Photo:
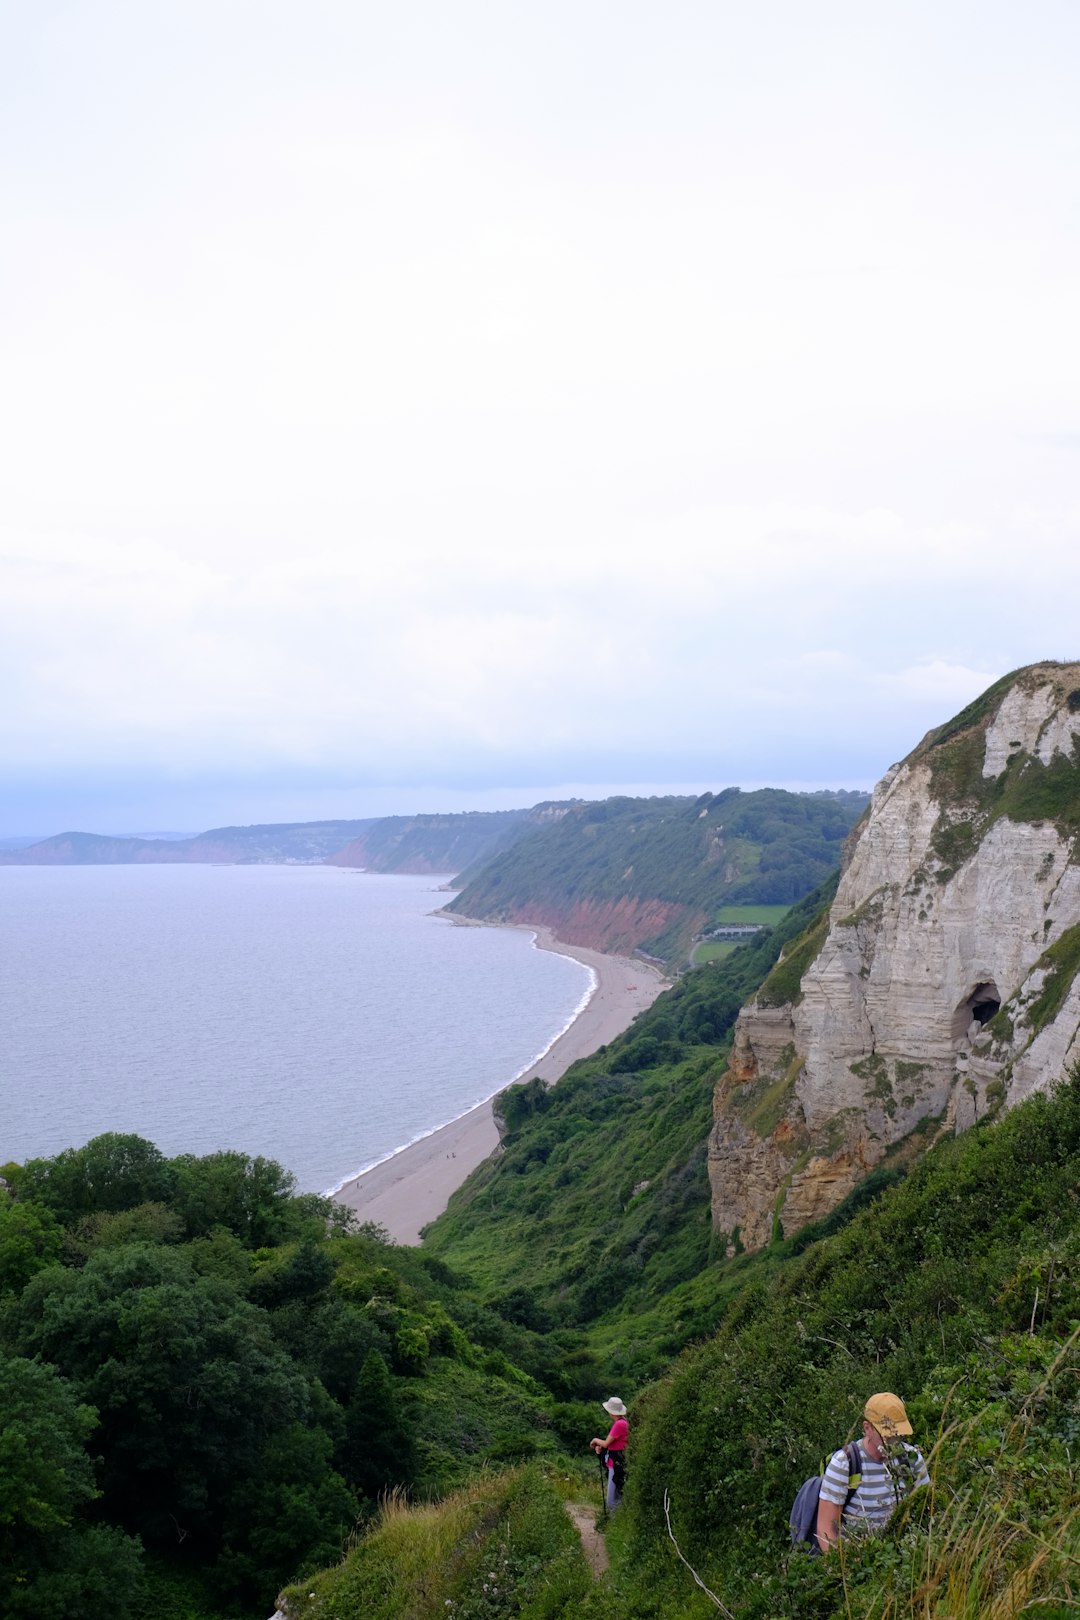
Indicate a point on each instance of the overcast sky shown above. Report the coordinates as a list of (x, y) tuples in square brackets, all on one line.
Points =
[(437, 405)]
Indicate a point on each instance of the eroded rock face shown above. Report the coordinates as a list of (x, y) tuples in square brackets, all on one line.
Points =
[(615, 926), (927, 1004)]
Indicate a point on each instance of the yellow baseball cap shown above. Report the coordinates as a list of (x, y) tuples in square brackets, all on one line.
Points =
[(888, 1415)]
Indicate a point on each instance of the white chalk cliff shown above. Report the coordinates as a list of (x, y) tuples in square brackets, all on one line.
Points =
[(943, 983)]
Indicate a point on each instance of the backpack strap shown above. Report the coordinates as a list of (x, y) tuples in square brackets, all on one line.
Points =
[(854, 1461)]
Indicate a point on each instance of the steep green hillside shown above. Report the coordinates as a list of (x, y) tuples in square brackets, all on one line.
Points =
[(596, 1211), (647, 874), (959, 1287), (433, 843)]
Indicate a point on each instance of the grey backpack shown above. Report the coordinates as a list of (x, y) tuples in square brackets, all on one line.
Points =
[(802, 1520)]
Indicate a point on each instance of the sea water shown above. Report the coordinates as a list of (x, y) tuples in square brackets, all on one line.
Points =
[(320, 1017)]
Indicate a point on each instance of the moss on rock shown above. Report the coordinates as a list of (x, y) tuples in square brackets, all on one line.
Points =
[(784, 983)]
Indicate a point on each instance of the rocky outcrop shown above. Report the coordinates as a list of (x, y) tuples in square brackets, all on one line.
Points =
[(943, 984)]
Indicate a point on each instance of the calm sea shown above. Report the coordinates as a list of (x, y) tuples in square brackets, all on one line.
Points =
[(320, 1017)]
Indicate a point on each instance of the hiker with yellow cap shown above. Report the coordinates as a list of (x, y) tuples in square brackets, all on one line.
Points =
[(889, 1470)]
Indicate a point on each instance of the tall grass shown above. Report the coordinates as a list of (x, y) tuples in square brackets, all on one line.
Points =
[(500, 1546)]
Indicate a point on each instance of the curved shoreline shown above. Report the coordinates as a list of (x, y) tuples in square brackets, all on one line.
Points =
[(411, 1187), (526, 1071)]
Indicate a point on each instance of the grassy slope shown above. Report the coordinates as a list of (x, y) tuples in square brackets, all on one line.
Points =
[(959, 1287), (768, 848), (597, 1210), (501, 1545)]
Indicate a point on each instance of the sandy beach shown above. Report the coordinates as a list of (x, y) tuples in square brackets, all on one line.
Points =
[(407, 1191)]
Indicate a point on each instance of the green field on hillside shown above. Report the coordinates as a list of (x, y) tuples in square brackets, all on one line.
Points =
[(739, 916), (715, 950)]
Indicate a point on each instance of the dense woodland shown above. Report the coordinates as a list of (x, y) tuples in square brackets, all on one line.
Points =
[(208, 1381), (213, 1387)]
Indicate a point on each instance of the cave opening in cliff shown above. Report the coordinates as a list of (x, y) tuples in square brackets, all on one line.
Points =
[(978, 1008)]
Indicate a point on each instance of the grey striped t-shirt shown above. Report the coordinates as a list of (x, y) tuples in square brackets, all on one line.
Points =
[(884, 1484)]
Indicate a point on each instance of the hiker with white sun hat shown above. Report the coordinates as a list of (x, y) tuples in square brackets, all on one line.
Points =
[(612, 1452)]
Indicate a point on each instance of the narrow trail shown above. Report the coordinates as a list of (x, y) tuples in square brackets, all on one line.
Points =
[(584, 1521)]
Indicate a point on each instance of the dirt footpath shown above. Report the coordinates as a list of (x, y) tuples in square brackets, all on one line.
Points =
[(584, 1522)]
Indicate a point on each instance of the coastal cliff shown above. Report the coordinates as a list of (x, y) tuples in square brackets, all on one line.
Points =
[(618, 927), (940, 986), (650, 875)]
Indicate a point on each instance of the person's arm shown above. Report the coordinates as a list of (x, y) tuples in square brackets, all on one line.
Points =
[(828, 1524), (835, 1492), (612, 1435)]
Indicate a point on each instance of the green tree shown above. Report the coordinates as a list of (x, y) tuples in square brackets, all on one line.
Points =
[(331, 1338), (251, 1197), (380, 1448), (30, 1238), (185, 1374), (520, 1102), (55, 1566), (293, 1517), (112, 1172), (301, 1276), (45, 1472)]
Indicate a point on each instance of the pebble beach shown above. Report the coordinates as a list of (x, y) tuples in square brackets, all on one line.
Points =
[(408, 1190)]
